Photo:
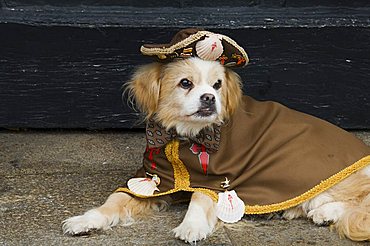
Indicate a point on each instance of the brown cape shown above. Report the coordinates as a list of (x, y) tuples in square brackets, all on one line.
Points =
[(275, 158)]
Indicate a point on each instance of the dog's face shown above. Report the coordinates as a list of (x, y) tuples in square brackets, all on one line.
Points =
[(188, 94)]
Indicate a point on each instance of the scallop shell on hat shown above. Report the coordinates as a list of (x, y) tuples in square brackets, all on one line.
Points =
[(230, 208), (210, 48), (142, 186)]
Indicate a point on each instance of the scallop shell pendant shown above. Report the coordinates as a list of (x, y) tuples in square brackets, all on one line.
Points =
[(144, 186), (210, 48), (230, 208)]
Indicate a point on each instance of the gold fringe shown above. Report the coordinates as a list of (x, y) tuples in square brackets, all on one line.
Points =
[(180, 173), (181, 176), (182, 183), (323, 186)]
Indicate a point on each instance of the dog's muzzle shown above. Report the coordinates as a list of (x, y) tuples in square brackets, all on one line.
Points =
[(207, 105)]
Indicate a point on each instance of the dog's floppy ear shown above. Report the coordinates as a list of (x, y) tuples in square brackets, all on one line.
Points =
[(232, 92), (144, 87)]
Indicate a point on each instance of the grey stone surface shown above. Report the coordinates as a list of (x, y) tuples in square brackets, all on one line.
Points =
[(47, 176)]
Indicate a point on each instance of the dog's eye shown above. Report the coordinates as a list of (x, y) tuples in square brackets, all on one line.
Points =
[(217, 85), (186, 84)]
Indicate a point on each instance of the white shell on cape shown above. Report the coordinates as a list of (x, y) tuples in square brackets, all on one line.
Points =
[(210, 48), (230, 208), (142, 186)]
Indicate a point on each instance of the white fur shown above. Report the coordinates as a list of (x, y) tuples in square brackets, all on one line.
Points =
[(366, 171), (316, 202), (329, 212), (303, 209), (199, 221), (102, 218), (92, 219), (190, 129)]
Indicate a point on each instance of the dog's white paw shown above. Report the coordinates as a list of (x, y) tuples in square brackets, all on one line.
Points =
[(192, 231), (327, 214), (91, 220)]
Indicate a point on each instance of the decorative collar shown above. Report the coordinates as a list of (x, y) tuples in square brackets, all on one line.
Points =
[(157, 136)]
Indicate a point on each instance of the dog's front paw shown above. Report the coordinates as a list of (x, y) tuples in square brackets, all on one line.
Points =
[(326, 214), (192, 231), (82, 224)]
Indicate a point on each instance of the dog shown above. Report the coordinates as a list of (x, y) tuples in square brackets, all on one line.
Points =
[(193, 94)]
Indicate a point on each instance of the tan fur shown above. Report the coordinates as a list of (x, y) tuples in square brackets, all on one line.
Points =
[(232, 93), (352, 190), (128, 209), (355, 192), (144, 87), (355, 223), (294, 213)]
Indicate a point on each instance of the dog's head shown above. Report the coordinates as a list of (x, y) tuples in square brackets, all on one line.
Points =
[(188, 94)]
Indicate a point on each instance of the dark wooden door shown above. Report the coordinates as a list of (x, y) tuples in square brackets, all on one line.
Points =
[(62, 63)]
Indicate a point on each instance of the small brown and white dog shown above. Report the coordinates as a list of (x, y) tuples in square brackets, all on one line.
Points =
[(175, 96)]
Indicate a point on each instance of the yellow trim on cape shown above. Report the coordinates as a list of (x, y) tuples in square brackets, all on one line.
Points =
[(182, 183), (180, 173)]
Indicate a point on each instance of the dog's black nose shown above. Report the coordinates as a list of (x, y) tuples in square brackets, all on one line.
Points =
[(208, 99)]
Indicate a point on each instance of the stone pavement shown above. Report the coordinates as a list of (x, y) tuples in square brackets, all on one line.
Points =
[(47, 176)]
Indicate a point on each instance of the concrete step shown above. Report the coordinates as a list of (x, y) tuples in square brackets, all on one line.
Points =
[(48, 176)]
